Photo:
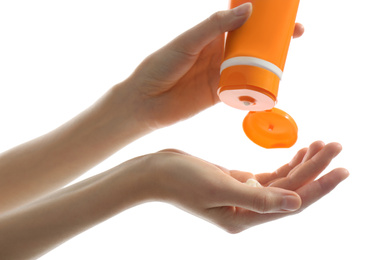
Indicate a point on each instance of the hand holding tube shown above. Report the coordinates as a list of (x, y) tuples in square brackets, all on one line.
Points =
[(181, 79)]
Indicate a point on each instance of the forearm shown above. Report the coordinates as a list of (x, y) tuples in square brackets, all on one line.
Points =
[(47, 163), (30, 231)]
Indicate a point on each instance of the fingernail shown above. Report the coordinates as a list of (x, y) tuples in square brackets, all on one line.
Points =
[(242, 9), (291, 203)]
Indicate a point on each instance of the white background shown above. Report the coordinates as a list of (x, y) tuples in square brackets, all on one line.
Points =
[(58, 57)]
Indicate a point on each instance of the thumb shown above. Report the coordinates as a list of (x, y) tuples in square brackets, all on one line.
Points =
[(194, 40), (266, 200)]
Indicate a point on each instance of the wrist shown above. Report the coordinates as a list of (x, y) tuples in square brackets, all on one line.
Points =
[(136, 180), (117, 111), (129, 106), (155, 180), (163, 172)]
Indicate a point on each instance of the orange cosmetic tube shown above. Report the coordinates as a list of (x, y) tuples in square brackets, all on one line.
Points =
[(255, 55)]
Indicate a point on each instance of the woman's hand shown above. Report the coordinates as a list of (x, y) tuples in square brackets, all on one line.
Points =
[(222, 197), (181, 79), (201, 188)]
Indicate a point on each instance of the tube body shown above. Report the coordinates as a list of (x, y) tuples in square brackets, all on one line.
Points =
[(255, 55)]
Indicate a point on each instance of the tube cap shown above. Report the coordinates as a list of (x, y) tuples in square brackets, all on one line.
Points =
[(248, 88), (271, 128)]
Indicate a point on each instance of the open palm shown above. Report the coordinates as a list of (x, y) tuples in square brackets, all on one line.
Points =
[(221, 196)]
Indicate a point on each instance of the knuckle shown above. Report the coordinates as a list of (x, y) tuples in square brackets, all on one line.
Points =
[(314, 162), (216, 20), (171, 150), (262, 202)]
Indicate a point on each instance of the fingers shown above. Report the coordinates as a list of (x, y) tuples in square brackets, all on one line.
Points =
[(294, 162), (310, 169), (314, 148), (262, 200), (194, 40), (298, 30), (266, 178), (309, 194), (314, 191)]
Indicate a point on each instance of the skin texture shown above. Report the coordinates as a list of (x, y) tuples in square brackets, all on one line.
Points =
[(36, 215)]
